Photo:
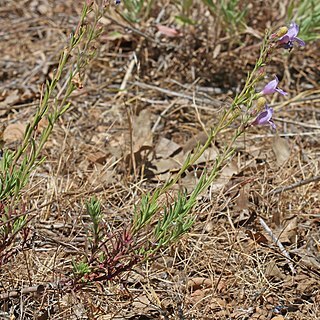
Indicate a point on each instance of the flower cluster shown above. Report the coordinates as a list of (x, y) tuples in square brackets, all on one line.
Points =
[(287, 40), (285, 37)]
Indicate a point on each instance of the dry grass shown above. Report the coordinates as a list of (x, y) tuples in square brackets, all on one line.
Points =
[(227, 267)]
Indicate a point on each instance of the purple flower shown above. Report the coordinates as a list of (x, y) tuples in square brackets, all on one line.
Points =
[(286, 41), (264, 118), (272, 87)]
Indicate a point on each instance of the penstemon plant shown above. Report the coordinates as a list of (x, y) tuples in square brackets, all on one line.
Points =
[(155, 224), (16, 166), (251, 108)]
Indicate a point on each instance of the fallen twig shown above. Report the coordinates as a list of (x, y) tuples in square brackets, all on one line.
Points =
[(295, 185), (278, 243), (212, 101), (128, 73), (15, 293)]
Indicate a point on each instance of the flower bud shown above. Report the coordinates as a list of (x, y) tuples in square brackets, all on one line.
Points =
[(261, 102), (261, 72), (282, 31)]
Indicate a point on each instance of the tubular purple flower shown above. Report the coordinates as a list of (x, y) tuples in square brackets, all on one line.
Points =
[(272, 87), (265, 118), (287, 40)]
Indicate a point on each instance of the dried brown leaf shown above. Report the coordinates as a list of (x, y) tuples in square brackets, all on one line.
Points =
[(307, 259), (289, 230), (97, 157), (242, 200), (225, 176), (165, 148), (198, 295), (258, 237), (169, 32), (10, 100), (164, 165), (272, 270), (281, 149), (199, 282), (209, 154), (14, 132), (278, 318), (142, 134)]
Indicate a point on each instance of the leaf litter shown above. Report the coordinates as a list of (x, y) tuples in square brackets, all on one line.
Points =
[(227, 267)]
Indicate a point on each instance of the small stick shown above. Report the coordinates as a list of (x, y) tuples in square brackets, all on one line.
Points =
[(295, 185), (15, 293), (299, 123), (215, 103), (278, 243), (132, 163), (154, 128), (132, 63)]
